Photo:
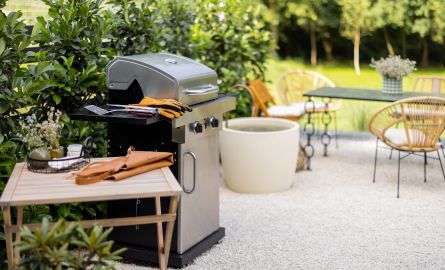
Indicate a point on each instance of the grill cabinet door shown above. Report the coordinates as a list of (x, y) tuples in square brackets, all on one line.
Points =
[(199, 209)]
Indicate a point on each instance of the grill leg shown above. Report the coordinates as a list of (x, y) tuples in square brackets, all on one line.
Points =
[(390, 154), (398, 177), (424, 167), (440, 160), (375, 159)]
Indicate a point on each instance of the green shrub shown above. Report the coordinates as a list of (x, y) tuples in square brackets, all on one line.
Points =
[(233, 39), (72, 39), (152, 26), (65, 246)]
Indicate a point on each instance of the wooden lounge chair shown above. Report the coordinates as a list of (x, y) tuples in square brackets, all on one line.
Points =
[(412, 126), (263, 103)]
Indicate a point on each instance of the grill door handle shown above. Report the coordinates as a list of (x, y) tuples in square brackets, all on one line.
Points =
[(208, 89), (193, 155)]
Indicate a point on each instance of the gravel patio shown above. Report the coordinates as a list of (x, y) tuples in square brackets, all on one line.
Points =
[(334, 217)]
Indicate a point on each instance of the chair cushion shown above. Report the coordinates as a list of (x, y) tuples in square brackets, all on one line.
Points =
[(422, 114), (283, 111), (397, 136)]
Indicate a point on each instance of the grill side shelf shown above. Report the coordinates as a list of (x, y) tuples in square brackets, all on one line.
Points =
[(115, 117)]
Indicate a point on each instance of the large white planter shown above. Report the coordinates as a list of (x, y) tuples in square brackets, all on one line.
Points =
[(259, 161)]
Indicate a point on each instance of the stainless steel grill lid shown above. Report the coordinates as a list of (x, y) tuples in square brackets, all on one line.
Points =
[(164, 75)]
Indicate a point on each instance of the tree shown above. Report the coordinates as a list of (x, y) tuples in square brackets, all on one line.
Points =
[(315, 17), (389, 14), (426, 18), (355, 21)]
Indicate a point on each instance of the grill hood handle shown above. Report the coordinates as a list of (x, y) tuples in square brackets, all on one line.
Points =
[(203, 90)]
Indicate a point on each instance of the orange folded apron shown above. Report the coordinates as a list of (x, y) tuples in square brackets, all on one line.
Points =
[(134, 163)]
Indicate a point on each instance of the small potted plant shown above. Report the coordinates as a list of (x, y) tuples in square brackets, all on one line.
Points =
[(393, 68), (30, 134)]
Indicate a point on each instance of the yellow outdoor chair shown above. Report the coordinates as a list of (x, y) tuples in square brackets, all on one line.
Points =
[(411, 125), (263, 103), (432, 84), (293, 84)]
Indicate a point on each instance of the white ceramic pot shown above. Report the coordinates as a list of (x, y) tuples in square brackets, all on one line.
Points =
[(259, 161)]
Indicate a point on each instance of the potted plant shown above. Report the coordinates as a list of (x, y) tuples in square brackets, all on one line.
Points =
[(393, 68)]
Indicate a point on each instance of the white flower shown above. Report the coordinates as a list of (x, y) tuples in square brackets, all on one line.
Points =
[(394, 66)]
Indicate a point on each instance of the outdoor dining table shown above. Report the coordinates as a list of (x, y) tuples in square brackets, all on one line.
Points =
[(328, 93), (26, 188)]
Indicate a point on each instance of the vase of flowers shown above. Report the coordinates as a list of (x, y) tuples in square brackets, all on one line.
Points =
[(51, 130), (392, 69), (38, 136)]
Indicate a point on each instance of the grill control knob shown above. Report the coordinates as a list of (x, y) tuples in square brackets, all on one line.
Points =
[(213, 122), (197, 127)]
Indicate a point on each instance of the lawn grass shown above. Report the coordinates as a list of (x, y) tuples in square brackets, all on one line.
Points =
[(354, 115)]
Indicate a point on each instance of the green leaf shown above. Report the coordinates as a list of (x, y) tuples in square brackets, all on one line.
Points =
[(2, 45), (57, 99)]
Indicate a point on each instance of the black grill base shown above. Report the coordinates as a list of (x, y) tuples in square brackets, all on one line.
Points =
[(175, 260)]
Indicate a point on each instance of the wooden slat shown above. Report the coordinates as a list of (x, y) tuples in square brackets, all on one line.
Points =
[(85, 190), (171, 180), (8, 236), (112, 222), (18, 201), (12, 183), (17, 235)]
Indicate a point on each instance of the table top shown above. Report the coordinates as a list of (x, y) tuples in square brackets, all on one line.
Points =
[(29, 188), (363, 94)]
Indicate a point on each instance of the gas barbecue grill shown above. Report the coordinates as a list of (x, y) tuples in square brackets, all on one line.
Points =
[(193, 138)]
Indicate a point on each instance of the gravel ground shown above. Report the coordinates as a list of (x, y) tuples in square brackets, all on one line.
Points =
[(334, 217)]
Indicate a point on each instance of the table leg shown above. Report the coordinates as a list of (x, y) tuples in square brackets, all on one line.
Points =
[(309, 130), (8, 236), (160, 236), (326, 137), (170, 225), (18, 236)]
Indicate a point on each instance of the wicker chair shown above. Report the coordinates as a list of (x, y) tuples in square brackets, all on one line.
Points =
[(431, 84), (264, 103), (293, 84), (418, 133)]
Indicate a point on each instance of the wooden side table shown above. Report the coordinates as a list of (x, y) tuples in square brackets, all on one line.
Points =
[(26, 188)]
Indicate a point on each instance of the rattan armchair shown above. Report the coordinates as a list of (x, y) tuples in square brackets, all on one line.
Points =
[(293, 84), (431, 84), (411, 126)]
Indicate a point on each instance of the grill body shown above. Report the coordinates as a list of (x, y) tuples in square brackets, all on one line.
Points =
[(193, 139)]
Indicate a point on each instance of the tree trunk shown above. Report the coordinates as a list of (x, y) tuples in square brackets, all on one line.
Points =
[(357, 51), (328, 49), (388, 41), (313, 46), (403, 44), (425, 51), (274, 27)]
